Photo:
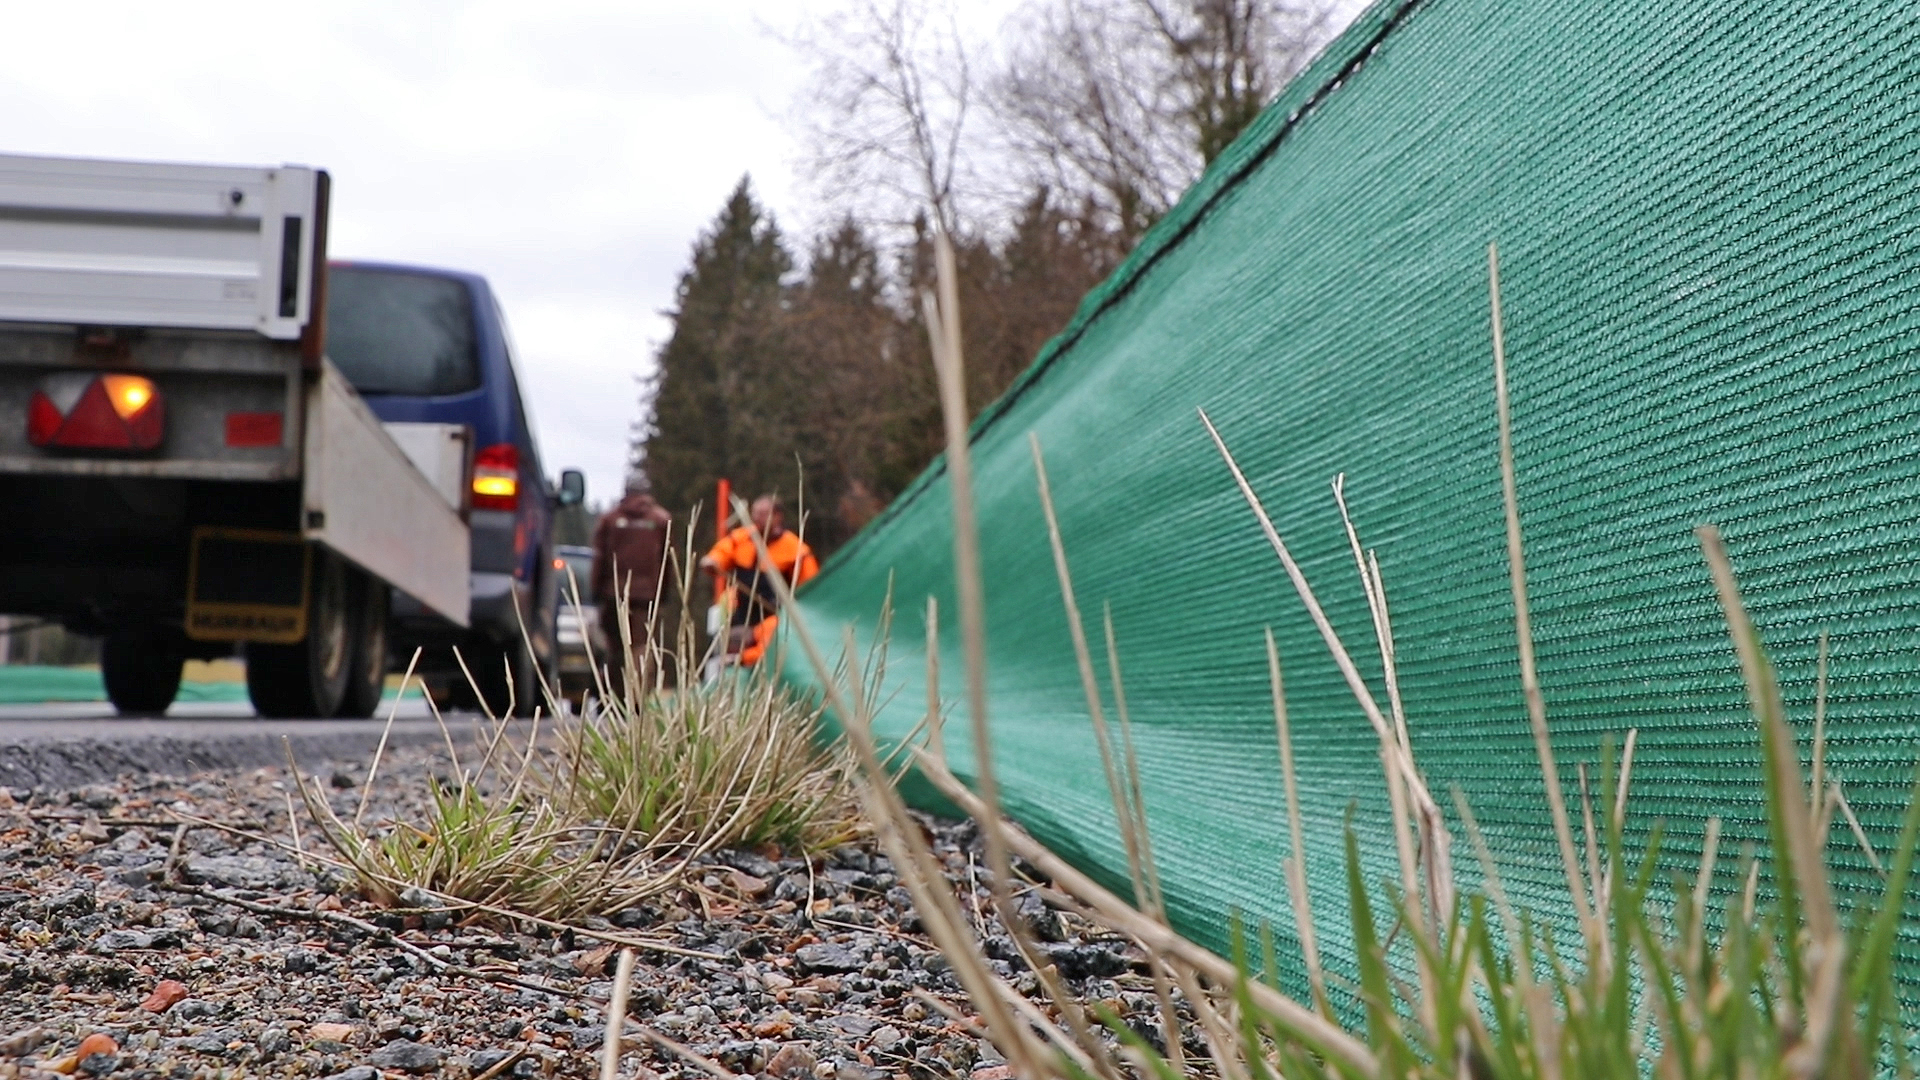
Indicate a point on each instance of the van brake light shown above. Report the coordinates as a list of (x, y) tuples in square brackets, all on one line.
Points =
[(496, 477)]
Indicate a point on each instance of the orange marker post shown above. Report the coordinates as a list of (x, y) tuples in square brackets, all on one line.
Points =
[(721, 514)]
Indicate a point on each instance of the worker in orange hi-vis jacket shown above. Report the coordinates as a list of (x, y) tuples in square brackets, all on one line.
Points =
[(737, 564)]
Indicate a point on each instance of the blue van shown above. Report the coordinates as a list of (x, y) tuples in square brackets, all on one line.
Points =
[(431, 346)]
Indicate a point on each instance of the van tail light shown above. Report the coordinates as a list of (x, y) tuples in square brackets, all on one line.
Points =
[(496, 477), (77, 410)]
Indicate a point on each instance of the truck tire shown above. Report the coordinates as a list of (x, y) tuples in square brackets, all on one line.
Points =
[(309, 677), (367, 668), (141, 667)]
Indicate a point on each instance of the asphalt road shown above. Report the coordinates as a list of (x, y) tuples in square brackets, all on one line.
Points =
[(67, 745)]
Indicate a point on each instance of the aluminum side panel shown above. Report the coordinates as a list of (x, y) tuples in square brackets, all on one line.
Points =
[(147, 244), (365, 499)]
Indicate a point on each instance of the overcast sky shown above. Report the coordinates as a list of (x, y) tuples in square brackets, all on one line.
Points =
[(568, 150)]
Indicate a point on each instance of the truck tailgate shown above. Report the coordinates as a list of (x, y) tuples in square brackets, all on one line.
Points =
[(364, 499)]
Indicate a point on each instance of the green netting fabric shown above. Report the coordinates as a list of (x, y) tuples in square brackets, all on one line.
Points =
[(1707, 213)]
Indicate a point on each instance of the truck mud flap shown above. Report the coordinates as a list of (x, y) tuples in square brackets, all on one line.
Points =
[(248, 585)]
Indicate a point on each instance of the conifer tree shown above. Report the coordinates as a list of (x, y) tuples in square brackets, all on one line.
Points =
[(716, 406)]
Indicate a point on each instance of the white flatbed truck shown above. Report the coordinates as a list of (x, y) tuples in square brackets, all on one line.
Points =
[(182, 472)]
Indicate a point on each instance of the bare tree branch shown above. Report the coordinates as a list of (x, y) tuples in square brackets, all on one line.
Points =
[(886, 111), (1126, 101)]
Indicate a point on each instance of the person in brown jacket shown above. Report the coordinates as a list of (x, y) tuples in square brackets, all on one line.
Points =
[(630, 545)]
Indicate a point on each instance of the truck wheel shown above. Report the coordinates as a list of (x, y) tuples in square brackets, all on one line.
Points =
[(367, 669), (309, 677), (141, 667)]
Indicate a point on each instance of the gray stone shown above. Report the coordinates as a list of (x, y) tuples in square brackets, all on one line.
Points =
[(67, 904), (886, 1038), (748, 863), (1041, 918), (244, 872), (273, 1042), (852, 914), (1086, 961), (300, 961), (358, 1072), (136, 876), (825, 957), (193, 1009), (202, 1044), (852, 879), (118, 940), (737, 1054), (487, 1059), (407, 1056), (635, 918), (853, 1024)]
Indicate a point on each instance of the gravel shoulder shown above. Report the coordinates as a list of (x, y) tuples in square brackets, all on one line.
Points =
[(52, 748), (209, 949)]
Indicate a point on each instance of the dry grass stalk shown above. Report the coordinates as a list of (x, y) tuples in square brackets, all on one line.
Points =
[(614, 1041), (943, 328), (1523, 619), (1296, 867), (913, 859), (1797, 844)]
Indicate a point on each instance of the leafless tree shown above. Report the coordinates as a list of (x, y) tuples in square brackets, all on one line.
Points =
[(886, 112), (1126, 101)]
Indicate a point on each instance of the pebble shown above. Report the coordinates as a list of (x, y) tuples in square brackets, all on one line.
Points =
[(793, 1061), (828, 958), (166, 995), (407, 1056), (122, 940)]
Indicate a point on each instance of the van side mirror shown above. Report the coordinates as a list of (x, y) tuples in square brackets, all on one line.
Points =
[(573, 487)]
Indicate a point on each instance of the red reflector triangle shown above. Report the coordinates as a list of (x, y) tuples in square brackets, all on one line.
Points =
[(43, 419), (145, 427), (93, 423)]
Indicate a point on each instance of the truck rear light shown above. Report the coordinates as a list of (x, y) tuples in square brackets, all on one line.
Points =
[(496, 477), (81, 411)]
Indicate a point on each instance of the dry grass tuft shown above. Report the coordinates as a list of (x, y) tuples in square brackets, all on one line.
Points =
[(735, 763), (567, 816)]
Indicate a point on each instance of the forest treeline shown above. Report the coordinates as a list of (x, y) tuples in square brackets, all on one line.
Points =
[(801, 365)]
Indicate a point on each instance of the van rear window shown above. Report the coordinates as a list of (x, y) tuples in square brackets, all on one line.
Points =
[(391, 332)]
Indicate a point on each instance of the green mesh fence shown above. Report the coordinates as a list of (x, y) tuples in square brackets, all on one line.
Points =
[(1707, 215)]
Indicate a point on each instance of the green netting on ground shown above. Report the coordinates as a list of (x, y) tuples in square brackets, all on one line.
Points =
[(33, 684), (1709, 218)]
